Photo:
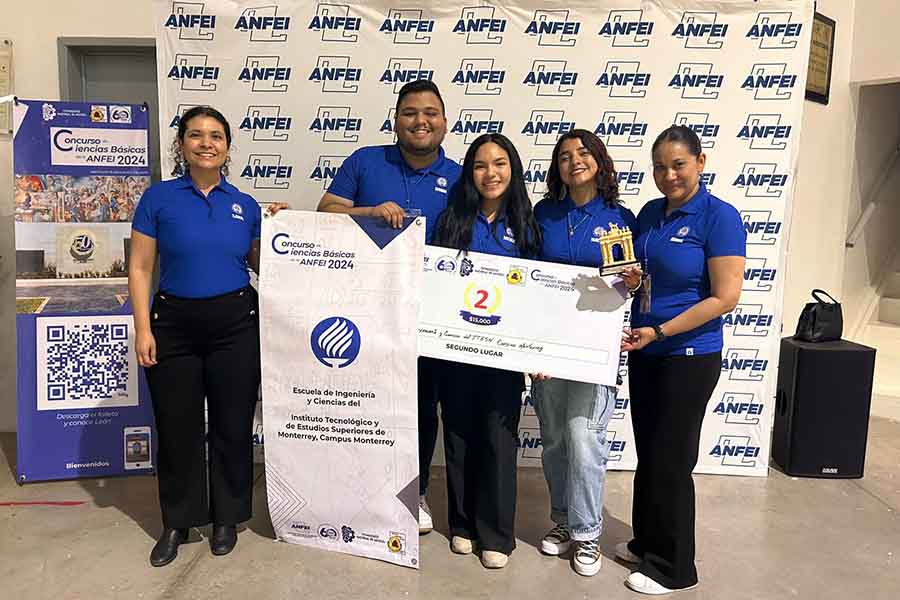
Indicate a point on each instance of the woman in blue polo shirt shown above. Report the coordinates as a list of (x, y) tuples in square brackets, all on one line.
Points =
[(200, 339), (582, 200), (489, 212), (692, 247)]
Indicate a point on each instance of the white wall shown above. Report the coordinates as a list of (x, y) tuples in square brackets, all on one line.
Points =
[(875, 56), (34, 26), (823, 181), (877, 137)]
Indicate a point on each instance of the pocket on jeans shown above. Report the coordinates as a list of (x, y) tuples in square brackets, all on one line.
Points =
[(604, 403)]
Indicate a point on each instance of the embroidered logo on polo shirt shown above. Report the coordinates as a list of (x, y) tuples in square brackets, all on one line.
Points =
[(441, 185), (598, 231), (237, 211), (680, 235), (508, 236)]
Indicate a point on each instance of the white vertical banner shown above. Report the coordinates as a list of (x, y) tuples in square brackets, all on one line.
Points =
[(305, 83), (339, 299)]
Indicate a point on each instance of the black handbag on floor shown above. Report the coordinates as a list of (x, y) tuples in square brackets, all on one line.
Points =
[(820, 321)]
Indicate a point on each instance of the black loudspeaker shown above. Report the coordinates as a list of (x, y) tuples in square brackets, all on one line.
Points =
[(822, 408)]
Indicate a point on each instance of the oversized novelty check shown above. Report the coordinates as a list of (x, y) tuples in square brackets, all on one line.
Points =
[(521, 315)]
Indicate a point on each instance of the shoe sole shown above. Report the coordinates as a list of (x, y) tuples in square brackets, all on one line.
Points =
[(424, 530), (555, 549), (220, 553), (649, 593), (162, 564), (586, 570)]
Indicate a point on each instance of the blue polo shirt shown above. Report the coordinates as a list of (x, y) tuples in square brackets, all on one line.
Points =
[(674, 251), (376, 174), (493, 238), (202, 242), (571, 233)]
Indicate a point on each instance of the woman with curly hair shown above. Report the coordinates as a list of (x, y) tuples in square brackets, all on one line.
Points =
[(582, 201)]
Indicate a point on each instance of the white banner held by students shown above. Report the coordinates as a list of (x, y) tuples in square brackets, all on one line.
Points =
[(338, 302)]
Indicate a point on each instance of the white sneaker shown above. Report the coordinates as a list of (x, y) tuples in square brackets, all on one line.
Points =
[(623, 553), (491, 559), (587, 558), (556, 541), (644, 585), (425, 522), (461, 545)]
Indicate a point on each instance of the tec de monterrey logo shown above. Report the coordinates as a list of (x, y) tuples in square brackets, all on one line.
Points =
[(335, 342)]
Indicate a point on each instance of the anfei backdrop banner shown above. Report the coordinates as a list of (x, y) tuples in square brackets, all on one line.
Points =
[(339, 299), (83, 407), (305, 83)]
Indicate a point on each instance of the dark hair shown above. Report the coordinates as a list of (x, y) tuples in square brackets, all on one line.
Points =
[(418, 86), (607, 180), (454, 226), (680, 134), (181, 166)]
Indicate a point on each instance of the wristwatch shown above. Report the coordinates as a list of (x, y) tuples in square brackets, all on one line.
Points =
[(660, 336)]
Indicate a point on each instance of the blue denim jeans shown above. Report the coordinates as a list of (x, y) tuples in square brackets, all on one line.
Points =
[(573, 417)]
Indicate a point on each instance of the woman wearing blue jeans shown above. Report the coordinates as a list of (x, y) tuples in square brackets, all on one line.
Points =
[(582, 199)]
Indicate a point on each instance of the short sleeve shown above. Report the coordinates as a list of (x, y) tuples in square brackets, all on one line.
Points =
[(346, 181), (144, 220), (726, 235)]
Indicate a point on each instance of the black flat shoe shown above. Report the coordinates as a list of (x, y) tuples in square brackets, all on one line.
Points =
[(223, 539), (166, 548)]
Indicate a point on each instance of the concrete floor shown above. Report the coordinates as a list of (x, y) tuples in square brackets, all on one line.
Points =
[(760, 539)]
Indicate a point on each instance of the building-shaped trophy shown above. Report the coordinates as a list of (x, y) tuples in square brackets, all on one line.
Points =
[(609, 240)]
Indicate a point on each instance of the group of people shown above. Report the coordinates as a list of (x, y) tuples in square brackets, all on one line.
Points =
[(200, 337)]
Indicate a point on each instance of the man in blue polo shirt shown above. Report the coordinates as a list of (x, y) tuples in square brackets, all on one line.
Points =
[(411, 177)]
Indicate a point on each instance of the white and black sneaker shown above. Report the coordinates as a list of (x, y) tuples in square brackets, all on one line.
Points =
[(556, 541), (425, 522), (587, 558)]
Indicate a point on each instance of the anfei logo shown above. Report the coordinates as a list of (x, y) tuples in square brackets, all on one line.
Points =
[(616, 447), (770, 81), (335, 23), (536, 175), (700, 29), (545, 126), (551, 78), (735, 451), (630, 179), (326, 168), (267, 172), (699, 123), (697, 81), (407, 26), (762, 229), (620, 409), (335, 342), (473, 122), (627, 29), (194, 73), (266, 123), (553, 28), (758, 277), (336, 125), (336, 74), (775, 30), (265, 74), (739, 408), (761, 180), (264, 24), (387, 127), (765, 132), (624, 79), (749, 320), (479, 26), (621, 129), (480, 77), (708, 178), (182, 108), (400, 71), (744, 364), (529, 442), (191, 23)]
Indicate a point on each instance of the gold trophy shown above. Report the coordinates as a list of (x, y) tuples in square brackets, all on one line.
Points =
[(621, 237)]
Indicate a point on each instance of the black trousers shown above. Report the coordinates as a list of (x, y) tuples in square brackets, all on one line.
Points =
[(206, 348), (430, 385), (481, 412), (669, 395)]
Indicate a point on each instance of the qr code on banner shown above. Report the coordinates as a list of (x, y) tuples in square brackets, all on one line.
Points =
[(85, 362)]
